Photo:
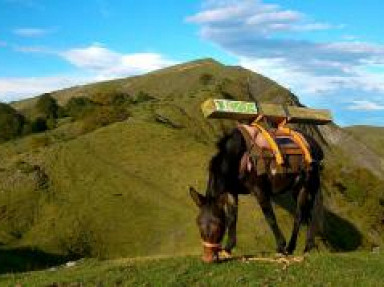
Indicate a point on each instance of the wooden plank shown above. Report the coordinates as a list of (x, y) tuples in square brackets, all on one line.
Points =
[(241, 110), (295, 114), (272, 110), (305, 115)]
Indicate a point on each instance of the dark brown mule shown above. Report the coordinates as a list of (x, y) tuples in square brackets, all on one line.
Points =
[(218, 207)]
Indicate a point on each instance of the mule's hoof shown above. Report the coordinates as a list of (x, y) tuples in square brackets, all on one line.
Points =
[(282, 252), (280, 255)]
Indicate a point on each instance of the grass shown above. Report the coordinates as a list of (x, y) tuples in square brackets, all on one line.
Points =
[(373, 137), (322, 269)]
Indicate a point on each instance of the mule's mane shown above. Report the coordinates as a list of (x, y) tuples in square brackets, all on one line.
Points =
[(224, 165)]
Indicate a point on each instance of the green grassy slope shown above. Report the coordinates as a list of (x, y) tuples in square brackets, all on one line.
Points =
[(353, 269), (122, 190), (373, 137)]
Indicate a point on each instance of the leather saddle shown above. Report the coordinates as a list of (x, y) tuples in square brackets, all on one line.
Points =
[(275, 150)]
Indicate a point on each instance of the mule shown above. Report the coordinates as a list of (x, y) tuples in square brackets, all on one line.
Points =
[(218, 208)]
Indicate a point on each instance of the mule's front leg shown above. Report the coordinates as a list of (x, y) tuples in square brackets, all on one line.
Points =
[(266, 206), (231, 216)]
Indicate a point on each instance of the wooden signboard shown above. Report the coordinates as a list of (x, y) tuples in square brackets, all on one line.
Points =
[(241, 110), (226, 109)]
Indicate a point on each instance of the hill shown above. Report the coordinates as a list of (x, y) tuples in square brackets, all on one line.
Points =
[(122, 189)]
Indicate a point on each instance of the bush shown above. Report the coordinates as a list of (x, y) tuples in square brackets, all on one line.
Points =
[(142, 97), (47, 107), (79, 107), (38, 125), (103, 116), (11, 123), (120, 99), (111, 97), (206, 79)]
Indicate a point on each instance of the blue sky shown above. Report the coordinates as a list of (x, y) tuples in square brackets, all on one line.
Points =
[(330, 53)]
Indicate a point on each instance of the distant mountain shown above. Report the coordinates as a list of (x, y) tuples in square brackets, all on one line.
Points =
[(121, 189)]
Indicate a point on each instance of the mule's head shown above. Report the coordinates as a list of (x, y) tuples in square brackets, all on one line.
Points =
[(211, 223)]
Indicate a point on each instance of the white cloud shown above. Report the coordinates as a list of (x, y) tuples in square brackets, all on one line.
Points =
[(17, 88), (304, 82), (252, 16), (92, 63), (365, 106), (109, 63), (94, 57), (30, 32), (273, 41)]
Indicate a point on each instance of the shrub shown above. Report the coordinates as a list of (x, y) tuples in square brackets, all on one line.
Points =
[(11, 122), (103, 116), (38, 125), (206, 79), (47, 107), (119, 99), (79, 107), (142, 97)]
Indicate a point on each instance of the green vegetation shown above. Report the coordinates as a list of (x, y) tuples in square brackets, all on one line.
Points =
[(11, 123), (353, 269), (206, 79), (47, 107), (78, 107), (373, 137), (111, 179)]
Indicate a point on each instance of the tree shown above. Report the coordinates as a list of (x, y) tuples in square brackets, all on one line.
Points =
[(47, 107), (11, 122), (78, 107)]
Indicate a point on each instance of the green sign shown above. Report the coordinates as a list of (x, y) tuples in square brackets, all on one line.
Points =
[(236, 106)]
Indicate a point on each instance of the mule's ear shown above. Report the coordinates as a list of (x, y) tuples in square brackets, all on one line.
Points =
[(198, 198)]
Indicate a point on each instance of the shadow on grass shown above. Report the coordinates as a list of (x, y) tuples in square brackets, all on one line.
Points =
[(338, 233), (27, 259)]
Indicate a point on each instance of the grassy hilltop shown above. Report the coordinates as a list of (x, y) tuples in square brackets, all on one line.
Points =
[(121, 189)]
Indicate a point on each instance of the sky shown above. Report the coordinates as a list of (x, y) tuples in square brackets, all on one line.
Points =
[(329, 53)]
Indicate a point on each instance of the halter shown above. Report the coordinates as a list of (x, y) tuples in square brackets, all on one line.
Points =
[(211, 245)]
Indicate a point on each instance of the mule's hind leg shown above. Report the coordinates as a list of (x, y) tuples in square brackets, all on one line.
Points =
[(266, 206), (300, 203), (310, 241), (314, 201), (304, 209), (231, 216)]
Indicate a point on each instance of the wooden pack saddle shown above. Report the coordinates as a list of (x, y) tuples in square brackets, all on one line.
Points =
[(281, 150)]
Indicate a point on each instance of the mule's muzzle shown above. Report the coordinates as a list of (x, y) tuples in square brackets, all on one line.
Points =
[(211, 252)]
